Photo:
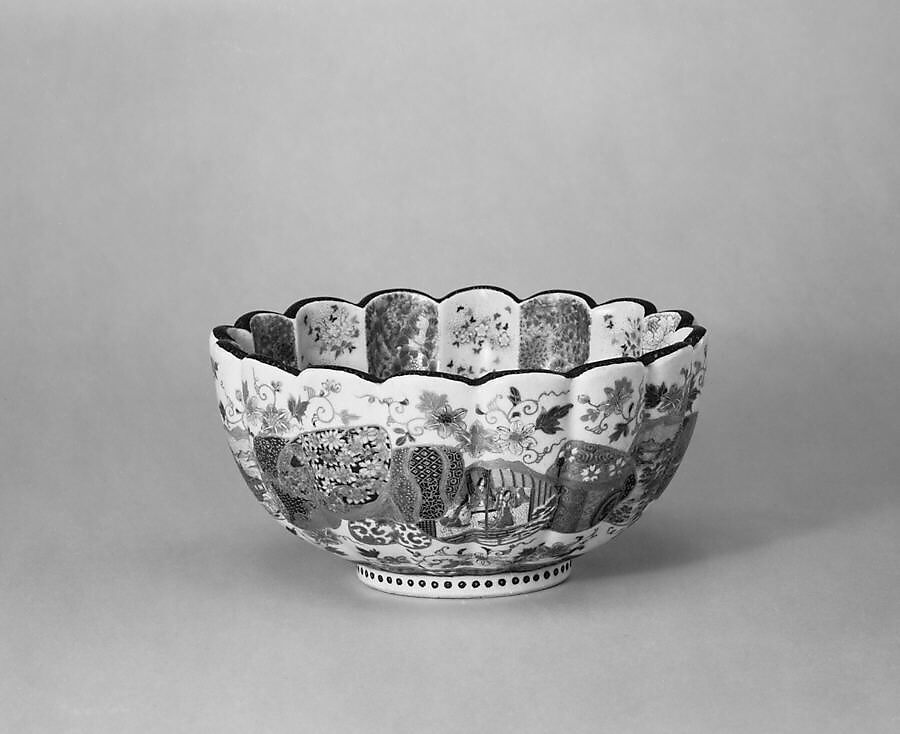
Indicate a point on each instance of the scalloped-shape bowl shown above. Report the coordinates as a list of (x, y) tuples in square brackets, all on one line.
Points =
[(466, 446)]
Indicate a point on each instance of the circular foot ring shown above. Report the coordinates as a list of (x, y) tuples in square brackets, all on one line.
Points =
[(466, 586)]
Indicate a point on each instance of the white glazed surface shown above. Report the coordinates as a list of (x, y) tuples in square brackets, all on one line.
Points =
[(540, 466)]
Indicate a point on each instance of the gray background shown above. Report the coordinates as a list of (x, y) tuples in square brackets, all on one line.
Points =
[(167, 166)]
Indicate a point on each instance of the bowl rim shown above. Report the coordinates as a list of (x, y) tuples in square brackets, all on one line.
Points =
[(222, 338)]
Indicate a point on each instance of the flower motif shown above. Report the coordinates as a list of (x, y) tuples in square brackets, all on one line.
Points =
[(352, 494), (343, 474), (334, 331), (330, 440), (591, 472), (516, 438), (470, 328), (430, 402), (616, 397), (253, 413), (275, 420), (671, 401), (477, 440), (447, 421)]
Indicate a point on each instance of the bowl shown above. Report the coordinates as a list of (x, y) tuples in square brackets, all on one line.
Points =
[(466, 446)]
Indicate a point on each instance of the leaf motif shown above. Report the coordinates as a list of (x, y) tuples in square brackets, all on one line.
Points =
[(515, 397), (310, 391), (346, 416), (653, 395), (548, 420), (620, 430), (299, 408)]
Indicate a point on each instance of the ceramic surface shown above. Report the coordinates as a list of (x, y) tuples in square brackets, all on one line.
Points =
[(468, 440)]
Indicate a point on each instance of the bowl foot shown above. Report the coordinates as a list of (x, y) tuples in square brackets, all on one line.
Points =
[(465, 586)]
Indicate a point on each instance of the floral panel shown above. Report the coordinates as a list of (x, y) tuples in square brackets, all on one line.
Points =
[(328, 475), (332, 333), (479, 333), (554, 332), (616, 330), (401, 333), (658, 330)]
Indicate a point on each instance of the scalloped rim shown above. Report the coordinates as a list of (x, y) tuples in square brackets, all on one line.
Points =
[(224, 340)]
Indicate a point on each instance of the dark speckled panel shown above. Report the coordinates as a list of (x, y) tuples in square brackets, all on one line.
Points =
[(274, 337), (401, 333), (554, 333)]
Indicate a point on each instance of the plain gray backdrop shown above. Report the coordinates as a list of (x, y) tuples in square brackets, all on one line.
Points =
[(167, 166)]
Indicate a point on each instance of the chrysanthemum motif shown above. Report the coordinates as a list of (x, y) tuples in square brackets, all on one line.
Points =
[(351, 494), (274, 420), (343, 474), (447, 421), (335, 331), (329, 440), (478, 330), (516, 438)]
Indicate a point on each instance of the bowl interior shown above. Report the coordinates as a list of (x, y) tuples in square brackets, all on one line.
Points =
[(469, 333)]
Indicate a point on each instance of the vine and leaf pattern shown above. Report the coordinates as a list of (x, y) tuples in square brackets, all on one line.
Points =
[(508, 423), (674, 398), (620, 409), (263, 417)]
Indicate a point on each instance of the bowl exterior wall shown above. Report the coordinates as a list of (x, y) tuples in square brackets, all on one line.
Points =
[(420, 474)]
